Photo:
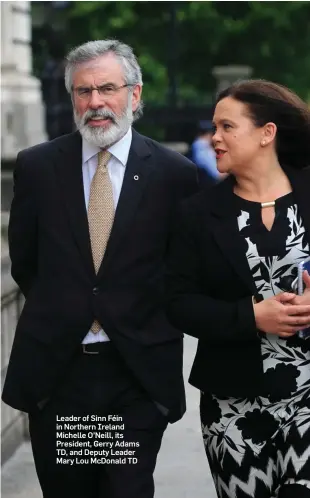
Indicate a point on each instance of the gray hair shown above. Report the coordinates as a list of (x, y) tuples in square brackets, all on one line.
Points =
[(93, 50)]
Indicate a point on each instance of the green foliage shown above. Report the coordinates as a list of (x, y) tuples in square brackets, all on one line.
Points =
[(271, 37)]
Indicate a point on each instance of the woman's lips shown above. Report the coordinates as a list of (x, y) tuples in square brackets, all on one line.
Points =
[(219, 153)]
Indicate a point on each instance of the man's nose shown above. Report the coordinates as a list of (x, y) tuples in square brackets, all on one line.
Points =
[(96, 100)]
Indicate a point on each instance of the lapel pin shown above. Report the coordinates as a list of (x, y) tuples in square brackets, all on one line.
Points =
[(136, 177)]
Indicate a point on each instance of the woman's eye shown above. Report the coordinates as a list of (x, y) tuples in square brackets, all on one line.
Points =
[(226, 126)]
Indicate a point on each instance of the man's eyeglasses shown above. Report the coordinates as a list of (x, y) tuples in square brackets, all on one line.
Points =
[(85, 93)]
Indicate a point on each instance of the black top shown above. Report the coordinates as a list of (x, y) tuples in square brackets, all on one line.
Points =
[(210, 284), (273, 257)]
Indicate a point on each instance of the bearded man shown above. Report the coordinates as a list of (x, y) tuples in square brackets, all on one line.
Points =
[(95, 363)]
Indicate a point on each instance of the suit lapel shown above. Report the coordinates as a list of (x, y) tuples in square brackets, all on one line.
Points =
[(226, 232), (68, 165), (138, 169)]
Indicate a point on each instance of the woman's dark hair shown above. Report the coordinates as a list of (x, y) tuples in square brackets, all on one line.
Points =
[(270, 102)]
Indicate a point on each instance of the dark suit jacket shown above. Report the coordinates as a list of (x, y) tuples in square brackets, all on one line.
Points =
[(210, 289), (52, 263)]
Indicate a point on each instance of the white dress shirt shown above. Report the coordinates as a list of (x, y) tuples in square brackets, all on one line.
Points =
[(116, 168)]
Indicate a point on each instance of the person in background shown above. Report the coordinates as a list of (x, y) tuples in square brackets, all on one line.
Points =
[(89, 229), (203, 155), (231, 258)]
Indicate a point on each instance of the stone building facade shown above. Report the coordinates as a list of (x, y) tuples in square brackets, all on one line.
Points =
[(22, 116)]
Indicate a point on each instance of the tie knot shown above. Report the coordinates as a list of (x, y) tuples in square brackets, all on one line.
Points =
[(103, 158)]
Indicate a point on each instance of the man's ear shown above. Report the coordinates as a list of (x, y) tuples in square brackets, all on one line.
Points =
[(136, 97)]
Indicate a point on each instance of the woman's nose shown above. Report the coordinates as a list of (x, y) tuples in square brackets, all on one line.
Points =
[(216, 138)]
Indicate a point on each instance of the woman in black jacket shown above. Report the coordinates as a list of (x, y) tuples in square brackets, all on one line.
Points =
[(234, 256)]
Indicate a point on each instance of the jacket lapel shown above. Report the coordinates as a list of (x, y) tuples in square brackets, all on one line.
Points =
[(138, 169), (226, 232), (69, 171)]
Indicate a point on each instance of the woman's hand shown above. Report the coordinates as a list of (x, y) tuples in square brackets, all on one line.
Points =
[(277, 315)]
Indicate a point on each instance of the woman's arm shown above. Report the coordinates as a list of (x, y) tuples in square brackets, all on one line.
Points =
[(189, 308)]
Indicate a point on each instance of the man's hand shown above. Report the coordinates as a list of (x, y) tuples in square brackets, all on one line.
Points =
[(277, 315)]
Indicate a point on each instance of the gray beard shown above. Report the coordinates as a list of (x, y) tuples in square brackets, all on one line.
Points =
[(104, 137)]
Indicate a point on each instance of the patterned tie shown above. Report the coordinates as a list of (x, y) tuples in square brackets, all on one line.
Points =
[(100, 214)]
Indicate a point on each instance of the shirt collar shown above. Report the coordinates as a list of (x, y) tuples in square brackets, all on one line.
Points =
[(120, 149)]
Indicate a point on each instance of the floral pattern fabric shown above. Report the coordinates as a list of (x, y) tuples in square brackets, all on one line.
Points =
[(256, 445)]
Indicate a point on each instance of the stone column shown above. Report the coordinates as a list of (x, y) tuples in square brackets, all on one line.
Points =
[(226, 75), (21, 102), (22, 111)]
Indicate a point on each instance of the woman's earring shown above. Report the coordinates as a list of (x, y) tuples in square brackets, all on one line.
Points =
[(263, 143)]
